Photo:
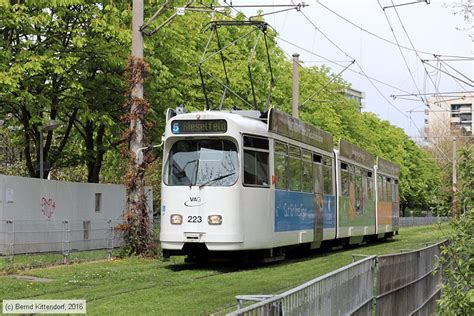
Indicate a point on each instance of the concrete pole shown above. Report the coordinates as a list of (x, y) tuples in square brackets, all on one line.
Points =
[(454, 209), (136, 125), (137, 36), (136, 188), (137, 89), (41, 168), (471, 9), (296, 85)]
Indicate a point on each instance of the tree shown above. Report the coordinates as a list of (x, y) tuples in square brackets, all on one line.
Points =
[(10, 156), (456, 266), (466, 179), (60, 60)]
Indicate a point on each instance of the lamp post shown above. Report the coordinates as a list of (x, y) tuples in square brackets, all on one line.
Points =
[(52, 124)]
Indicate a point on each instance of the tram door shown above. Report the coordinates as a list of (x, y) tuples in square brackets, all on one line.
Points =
[(318, 189)]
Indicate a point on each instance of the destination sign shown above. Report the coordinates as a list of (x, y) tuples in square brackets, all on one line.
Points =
[(198, 126), (388, 167), (288, 126), (355, 153)]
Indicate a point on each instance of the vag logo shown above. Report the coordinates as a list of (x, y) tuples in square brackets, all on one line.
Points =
[(194, 201)]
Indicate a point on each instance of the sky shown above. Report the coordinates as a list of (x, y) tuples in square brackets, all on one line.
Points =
[(432, 28)]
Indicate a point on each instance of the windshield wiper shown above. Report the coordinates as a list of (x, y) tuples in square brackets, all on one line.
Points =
[(195, 173), (216, 179), (181, 171)]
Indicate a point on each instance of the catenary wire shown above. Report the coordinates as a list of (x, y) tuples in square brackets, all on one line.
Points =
[(380, 37)]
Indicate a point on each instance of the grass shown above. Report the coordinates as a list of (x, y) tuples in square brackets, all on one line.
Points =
[(147, 286), (41, 260)]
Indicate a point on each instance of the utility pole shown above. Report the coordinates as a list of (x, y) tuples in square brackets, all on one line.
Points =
[(137, 221), (454, 208), (296, 86), (137, 84), (470, 8)]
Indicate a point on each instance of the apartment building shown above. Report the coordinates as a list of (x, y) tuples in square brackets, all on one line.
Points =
[(356, 95), (448, 116)]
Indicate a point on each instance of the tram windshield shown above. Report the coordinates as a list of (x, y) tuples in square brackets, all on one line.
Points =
[(203, 163)]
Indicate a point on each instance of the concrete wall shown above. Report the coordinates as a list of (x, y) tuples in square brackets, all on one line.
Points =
[(46, 215)]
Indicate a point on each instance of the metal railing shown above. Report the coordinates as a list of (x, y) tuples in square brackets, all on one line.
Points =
[(421, 221), (347, 290), (396, 284), (29, 236), (406, 284)]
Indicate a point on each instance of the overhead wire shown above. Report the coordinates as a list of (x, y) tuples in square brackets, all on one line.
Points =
[(323, 85), (417, 55), (426, 70), (457, 71), (451, 75), (361, 72), (331, 92), (400, 49), (340, 65), (380, 37), (369, 79), (457, 82), (327, 83)]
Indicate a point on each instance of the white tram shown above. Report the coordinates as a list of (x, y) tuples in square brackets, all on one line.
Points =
[(242, 181)]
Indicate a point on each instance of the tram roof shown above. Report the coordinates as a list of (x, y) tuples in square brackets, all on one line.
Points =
[(387, 167), (276, 122)]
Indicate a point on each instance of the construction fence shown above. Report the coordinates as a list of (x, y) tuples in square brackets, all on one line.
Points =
[(29, 236), (396, 284), (422, 221)]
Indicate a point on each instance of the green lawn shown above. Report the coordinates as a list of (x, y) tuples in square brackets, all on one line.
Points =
[(145, 286), (41, 260)]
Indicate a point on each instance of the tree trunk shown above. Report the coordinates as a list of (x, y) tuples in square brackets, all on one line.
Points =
[(95, 152)]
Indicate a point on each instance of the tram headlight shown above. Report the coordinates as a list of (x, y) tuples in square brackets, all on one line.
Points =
[(176, 219), (214, 219)]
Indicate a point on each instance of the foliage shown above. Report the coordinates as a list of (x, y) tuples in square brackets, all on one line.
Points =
[(10, 156), (63, 60), (456, 266), (465, 189)]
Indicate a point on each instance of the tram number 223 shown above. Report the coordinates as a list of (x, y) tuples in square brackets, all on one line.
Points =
[(194, 219)]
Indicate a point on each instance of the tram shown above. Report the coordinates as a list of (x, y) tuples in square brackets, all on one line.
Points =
[(243, 182)]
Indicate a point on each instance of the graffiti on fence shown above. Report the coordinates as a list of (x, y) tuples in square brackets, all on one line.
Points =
[(47, 207)]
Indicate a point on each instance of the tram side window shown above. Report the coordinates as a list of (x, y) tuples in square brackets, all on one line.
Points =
[(358, 190), (307, 171), (380, 188), (370, 186), (384, 188), (365, 186), (345, 179), (281, 165), (395, 191), (318, 173), (388, 190), (327, 174), (295, 169), (256, 161)]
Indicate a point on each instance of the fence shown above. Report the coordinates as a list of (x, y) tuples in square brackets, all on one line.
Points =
[(421, 221), (398, 284), (329, 294), (29, 236), (406, 284)]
